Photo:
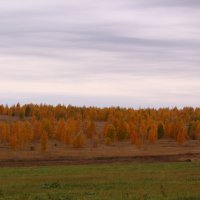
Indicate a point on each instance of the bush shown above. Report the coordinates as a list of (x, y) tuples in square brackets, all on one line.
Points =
[(53, 185)]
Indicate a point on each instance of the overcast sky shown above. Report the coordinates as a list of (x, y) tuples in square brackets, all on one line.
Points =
[(132, 53)]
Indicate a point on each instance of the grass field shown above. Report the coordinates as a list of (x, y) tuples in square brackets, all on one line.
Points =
[(175, 181)]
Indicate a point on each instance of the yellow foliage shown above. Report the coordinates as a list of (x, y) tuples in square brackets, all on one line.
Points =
[(78, 141)]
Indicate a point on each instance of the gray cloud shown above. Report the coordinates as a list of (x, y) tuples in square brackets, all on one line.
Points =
[(76, 41), (174, 3)]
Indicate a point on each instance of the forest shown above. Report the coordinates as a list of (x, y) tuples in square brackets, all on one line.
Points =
[(22, 125)]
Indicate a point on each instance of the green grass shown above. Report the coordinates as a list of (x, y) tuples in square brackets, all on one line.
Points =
[(175, 181)]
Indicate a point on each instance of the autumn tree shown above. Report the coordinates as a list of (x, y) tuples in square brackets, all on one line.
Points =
[(14, 134), (47, 127), (137, 134), (142, 133), (133, 133), (95, 140), (78, 141), (73, 127), (25, 124), (28, 110), (61, 130), (194, 130), (90, 129), (122, 130), (4, 132), (152, 133), (13, 141), (167, 131), (44, 141), (91, 133), (109, 133), (197, 131), (37, 130), (27, 132), (160, 130), (181, 136)]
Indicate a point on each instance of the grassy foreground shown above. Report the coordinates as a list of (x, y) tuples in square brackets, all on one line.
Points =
[(176, 181)]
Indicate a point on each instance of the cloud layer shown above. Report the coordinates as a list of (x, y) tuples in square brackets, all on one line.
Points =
[(110, 52)]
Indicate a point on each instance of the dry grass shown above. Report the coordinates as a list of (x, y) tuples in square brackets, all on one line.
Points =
[(120, 149)]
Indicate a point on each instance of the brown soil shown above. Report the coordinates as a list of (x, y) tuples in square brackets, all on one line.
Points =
[(164, 150), (189, 157)]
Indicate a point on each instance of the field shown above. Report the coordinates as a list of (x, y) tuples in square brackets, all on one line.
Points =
[(175, 181), (124, 157), (57, 153), (164, 150)]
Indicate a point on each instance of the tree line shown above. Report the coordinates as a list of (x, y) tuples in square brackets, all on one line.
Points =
[(22, 125)]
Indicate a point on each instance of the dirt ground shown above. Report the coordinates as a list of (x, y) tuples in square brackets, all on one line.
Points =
[(164, 150)]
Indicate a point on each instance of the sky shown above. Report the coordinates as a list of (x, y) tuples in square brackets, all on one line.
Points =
[(130, 53)]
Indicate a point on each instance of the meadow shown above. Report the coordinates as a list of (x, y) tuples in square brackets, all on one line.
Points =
[(134, 181)]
